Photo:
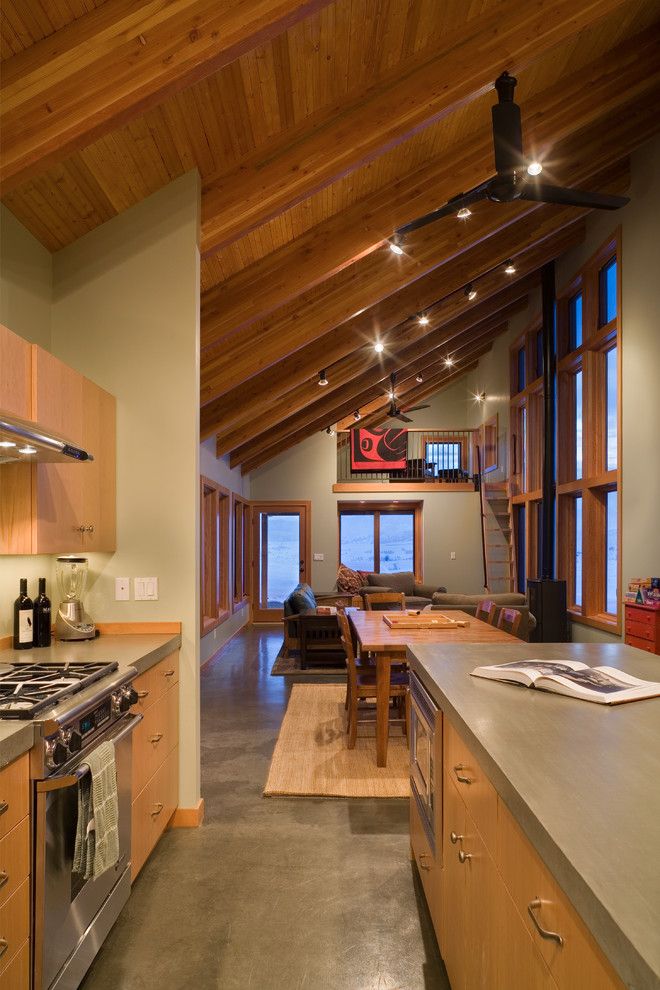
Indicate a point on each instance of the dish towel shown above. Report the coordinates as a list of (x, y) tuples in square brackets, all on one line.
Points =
[(97, 834)]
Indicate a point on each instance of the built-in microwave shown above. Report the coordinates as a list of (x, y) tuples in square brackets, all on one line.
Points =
[(423, 713)]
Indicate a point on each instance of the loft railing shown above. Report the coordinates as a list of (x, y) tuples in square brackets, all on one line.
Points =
[(433, 456)]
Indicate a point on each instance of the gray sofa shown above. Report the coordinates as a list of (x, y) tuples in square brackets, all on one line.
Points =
[(468, 603), (417, 595)]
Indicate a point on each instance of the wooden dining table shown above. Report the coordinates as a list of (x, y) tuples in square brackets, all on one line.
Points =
[(388, 645)]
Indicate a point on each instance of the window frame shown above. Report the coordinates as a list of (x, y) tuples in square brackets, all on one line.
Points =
[(241, 547), (376, 508), (214, 573), (597, 479)]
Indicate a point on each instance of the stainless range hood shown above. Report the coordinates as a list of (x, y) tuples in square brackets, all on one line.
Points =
[(25, 442)]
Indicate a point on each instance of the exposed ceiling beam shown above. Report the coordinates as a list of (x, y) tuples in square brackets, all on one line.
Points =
[(116, 62), (413, 96), (378, 276), (376, 386), (595, 92), (250, 402)]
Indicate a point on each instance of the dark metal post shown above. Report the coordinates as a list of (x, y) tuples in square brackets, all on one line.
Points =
[(549, 413)]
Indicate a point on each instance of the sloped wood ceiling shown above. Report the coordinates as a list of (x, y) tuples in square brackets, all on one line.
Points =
[(319, 127)]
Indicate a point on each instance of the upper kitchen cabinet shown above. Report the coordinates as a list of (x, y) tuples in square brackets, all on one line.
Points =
[(57, 508)]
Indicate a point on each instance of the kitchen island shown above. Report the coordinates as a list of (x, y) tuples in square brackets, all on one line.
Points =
[(580, 780)]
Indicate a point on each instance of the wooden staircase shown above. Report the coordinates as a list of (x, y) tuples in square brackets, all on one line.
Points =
[(498, 541)]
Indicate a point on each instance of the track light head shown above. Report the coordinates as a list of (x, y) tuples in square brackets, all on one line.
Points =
[(470, 291), (323, 380), (509, 268), (356, 415), (423, 319), (419, 378), (534, 168), (463, 213), (395, 246), (449, 362), (330, 431), (379, 347)]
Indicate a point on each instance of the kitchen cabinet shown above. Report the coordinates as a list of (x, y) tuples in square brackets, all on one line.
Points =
[(15, 874), (155, 757), (15, 479), (15, 374)]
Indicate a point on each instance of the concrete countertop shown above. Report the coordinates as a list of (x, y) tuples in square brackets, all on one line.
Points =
[(139, 650), (582, 780)]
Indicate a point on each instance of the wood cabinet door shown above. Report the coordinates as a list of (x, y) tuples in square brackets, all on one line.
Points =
[(15, 374), (15, 479), (482, 887), (99, 509), (452, 889), (518, 962)]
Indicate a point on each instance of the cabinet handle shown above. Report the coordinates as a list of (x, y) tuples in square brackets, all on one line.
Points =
[(4, 806), (79, 529), (536, 905), (4, 878), (455, 838), (463, 856), (423, 866), (143, 694), (169, 673), (156, 737), (461, 778), (157, 810), (4, 945), (89, 529)]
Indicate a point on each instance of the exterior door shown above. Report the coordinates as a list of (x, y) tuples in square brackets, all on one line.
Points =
[(281, 541)]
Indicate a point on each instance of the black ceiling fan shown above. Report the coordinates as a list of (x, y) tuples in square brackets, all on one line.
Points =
[(512, 180), (394, 412)]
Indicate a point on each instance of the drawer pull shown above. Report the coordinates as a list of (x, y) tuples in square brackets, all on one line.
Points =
[(157, 810), (455, 838), (143, 694), (463, 856), (169, 673), (533, 906), (4, 878), (4, 945), (156, 738), (461, 778)]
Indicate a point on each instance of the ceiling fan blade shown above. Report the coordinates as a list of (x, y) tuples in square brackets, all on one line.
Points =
[(541, 193), (507, 129), (451, 206), (417, 408), (403, 417)]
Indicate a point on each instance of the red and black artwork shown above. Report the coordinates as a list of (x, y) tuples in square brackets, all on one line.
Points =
[(378, 450)]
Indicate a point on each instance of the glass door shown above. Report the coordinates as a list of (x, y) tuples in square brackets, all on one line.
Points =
[(281, 536)]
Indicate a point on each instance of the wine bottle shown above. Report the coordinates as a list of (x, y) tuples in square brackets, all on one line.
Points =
[(42, 616), (23, 619)]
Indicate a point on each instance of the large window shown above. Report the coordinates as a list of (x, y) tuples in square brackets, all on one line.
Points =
[(444, 456), (214, 554), (588, 449), (381, 536)]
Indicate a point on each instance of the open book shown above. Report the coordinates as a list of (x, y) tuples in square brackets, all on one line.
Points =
[(604, 685)]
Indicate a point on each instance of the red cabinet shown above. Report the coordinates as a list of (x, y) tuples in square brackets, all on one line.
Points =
[(643, 627)]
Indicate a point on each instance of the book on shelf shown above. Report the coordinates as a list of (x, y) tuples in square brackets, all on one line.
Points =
[(603, 685)]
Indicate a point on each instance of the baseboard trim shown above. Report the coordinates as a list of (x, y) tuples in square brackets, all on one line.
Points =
[(188, 817)]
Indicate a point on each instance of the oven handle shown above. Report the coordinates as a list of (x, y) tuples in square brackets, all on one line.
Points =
[(69, 779)]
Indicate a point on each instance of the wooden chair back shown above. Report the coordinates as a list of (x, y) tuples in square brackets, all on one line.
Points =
[(383, 601), (347, 643), (509, 620), (486, 611)]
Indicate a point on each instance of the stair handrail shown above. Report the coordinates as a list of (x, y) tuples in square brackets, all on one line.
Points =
[(482, 508)]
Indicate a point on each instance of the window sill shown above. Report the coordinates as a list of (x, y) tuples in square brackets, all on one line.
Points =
[(208, 624), (240, 603), (605, 623)]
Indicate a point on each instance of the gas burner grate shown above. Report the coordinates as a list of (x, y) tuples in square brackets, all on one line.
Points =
[(26, 689)]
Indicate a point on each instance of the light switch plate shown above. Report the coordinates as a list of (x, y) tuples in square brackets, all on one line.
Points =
[(319, 556), (452, 555), (146, 589), (122, 589)]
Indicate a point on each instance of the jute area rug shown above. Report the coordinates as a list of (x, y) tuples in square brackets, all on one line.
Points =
[(311, 758)]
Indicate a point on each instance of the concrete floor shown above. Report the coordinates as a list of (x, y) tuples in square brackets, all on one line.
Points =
[(271, 893)]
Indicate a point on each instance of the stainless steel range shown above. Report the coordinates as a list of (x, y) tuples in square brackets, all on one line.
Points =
[(78, 706)]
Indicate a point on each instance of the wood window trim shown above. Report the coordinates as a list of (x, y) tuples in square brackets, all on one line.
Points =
[(590, 357), (214, 575), (241, 555), (460, 438), (367, 507)]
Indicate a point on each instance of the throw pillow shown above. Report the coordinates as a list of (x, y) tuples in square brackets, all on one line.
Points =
[(348, 581)]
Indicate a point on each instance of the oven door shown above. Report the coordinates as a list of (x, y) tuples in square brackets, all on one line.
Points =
[(65, 904), (422, 730)]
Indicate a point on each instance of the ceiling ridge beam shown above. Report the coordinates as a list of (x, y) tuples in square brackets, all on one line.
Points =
[(116, 62), (412, 97), (344, 238)]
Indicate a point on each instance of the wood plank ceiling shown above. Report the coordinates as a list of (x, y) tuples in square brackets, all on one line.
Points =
[(318, 127)]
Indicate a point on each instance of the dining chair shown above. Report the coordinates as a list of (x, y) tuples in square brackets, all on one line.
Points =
[(362, 684), (486, 611), (509, 620), (383, 601)]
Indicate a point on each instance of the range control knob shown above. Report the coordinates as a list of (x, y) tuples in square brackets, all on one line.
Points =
[(75, 742), (120, 703), (56, 753), (132, 695)]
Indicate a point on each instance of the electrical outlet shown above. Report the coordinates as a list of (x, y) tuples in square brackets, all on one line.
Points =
[(122, 589), (319, 556), (452, 555), (145, 589)]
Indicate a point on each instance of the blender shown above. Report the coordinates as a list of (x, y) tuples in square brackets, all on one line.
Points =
[(72, 621)]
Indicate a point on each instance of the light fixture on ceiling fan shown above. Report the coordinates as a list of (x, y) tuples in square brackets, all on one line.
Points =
[(394, 412), (515, 178)]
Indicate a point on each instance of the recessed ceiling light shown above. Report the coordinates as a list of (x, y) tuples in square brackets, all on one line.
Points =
[(7, 443), (356, 415), (470, 291), (395, 248), (464, 213), (27, 449), (534, 168), (323, 380), (423, 319), (379, 347)]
